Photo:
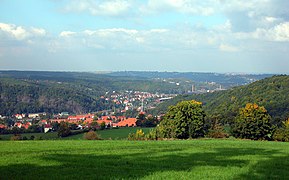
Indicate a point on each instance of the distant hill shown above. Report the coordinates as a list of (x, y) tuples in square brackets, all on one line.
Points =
[(75, 92), (79, 92), (227, 80), (273, 93)]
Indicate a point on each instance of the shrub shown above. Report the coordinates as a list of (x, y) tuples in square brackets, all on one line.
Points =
[(281, 134), (139, 135), (91, 135), (24, 138), (217, 132), (16, 137), (152, 135), (32, 137), (102, 125)]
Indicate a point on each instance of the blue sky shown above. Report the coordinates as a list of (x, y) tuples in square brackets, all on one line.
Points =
[(150, 35)]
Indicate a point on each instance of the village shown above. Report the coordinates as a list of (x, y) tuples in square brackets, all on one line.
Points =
[(125, 107), (122, 101), (78, 122)]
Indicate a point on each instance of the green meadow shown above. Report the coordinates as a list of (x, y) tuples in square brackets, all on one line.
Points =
[(115, 134), (114, 159)]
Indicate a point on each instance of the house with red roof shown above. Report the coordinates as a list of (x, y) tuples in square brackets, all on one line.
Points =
[(19, 116), (129, 122), (88, 120), (21, 125), (47, 128), (18, 124), (2, 126), (26, 125), (58, 120), (107, 122), (80, 117)]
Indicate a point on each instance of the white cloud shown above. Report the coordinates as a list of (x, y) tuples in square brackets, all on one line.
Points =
[(228, 48), (280, 32), (66, 33), (17, 32), (181, 6), (21, 33), (38, 31), (99, 8)]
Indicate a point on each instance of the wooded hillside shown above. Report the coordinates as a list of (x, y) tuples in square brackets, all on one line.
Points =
[(272, 93)]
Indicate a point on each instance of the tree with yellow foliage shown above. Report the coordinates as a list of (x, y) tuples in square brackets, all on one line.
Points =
[(253, 122)]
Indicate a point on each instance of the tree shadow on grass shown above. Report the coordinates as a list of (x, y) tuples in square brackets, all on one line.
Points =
[(138, 165), (273, 168)]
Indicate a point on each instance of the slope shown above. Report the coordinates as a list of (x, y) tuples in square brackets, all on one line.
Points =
[(272, 93)]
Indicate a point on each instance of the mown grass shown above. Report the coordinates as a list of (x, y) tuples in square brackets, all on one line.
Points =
[(114, 134), (121, 133), (178, 159)]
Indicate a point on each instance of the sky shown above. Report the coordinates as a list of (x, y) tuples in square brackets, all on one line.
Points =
[(220, 36)]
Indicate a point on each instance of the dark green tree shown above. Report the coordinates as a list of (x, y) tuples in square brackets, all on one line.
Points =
[(102, 125), (63, 129), (253, 122), (188, 120)]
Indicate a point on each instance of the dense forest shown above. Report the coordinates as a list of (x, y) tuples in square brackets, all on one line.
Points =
[(272, 93)]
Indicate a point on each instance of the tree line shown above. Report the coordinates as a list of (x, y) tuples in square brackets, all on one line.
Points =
[(187, 119)]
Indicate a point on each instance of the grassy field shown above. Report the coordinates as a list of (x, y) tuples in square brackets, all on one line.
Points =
[(38, 136), (121, 133), (115, 134), (178, 159)]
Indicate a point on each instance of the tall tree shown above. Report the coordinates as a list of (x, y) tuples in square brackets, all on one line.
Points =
[(188, 118), (63, 129), (253, 122)]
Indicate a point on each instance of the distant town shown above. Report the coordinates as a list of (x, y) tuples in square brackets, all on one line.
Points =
[(123, 101)]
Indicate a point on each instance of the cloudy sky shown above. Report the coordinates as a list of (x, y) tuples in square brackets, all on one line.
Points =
[(151, 35)]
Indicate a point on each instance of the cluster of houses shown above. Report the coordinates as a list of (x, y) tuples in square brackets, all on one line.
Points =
[(82, 121), (134, 99), (86, 119)]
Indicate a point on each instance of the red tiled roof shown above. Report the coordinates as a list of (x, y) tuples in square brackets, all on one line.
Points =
[(105, 121), (48, 126), (127, 122), (105, 117), (58, 120), (88, 120), (80, 117)]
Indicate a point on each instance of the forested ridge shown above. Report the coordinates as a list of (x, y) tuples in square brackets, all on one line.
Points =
[(75, 92), (272, 93)]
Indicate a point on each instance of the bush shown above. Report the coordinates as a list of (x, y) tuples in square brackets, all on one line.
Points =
[(281, 134), (217, 132), (32, 137), (91, 135), (16, 137), (24, 138), (152, 135), (139, 135)]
